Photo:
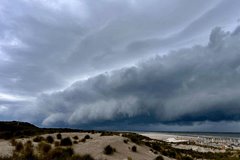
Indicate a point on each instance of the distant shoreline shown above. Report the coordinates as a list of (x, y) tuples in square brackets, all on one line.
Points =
[(195, 134)]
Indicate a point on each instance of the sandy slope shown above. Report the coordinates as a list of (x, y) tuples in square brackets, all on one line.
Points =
[(5, 148), (95, 147)]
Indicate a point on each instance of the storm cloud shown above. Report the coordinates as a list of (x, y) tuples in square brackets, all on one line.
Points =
[(185, 86)]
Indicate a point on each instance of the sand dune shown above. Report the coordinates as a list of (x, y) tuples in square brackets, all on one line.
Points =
[(95, 147)]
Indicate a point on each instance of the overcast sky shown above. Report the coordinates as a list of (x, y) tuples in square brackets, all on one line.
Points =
[(121, 64)]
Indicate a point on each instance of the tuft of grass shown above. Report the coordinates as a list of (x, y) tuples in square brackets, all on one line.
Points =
[(129, 158), (66, 142), (109, 150)]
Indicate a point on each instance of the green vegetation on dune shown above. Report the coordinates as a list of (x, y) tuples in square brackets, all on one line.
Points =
[(15, 129), (15, 125)]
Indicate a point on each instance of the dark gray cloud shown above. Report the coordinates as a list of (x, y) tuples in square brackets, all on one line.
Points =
[(190, 85), (51, 44), (46, 46)]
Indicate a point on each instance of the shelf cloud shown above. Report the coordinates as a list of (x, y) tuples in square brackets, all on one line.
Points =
[(188, 85)]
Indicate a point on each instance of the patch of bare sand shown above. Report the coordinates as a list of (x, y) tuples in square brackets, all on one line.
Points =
[(95, 147), (6, 148)]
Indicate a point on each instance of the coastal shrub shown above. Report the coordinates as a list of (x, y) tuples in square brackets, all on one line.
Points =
[(75, 137), (134, 148), (66, 141), (147, 144), (82, 157), (187, 158), (87, 137), (29, 143), (60, 153), (109, 150), (19, 146), (56, 143), (44, 147), (135, 138), (50, 139), (13, 142), (156, 146), (105, 133), (170, 153), (28, 152), (125, 141), (159, 158), (59, 136), (38, 139), (75, 142), (83, 140)]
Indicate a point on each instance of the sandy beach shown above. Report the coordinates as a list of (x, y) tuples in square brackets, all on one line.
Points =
[(202, 143), (167, 137)]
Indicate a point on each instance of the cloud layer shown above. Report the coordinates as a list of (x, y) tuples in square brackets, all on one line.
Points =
[(46, 45), (188, 85)]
